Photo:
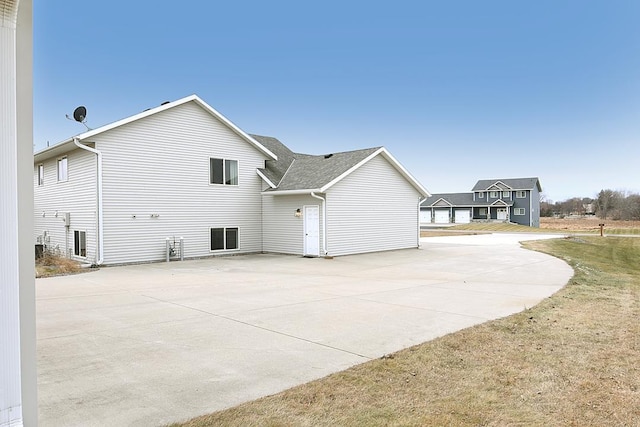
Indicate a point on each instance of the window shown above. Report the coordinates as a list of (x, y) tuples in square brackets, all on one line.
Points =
[(521, 194), (224, 238), (518, 211), (481, 195), (493, 194), (40, 174), (482, 211), (506, 194), (222, 171), (62, 169), (80, 243)]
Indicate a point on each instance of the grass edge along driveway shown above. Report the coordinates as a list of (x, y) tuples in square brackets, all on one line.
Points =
[(574, 359)]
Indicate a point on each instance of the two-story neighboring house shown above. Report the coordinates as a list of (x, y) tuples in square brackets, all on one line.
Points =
[(515, 200), (115, 194)]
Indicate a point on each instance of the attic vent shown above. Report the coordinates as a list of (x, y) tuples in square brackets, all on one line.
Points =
[(165, 102), (328, 156)]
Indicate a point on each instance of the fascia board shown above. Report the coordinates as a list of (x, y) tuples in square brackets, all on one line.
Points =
[(265, 179), (152, 111), (423, 191), (292, 192)]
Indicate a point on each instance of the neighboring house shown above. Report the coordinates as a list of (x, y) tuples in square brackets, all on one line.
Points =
[(515, 200), (114, 194)]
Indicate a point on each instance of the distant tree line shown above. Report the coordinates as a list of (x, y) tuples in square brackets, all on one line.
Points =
[(609, 204)]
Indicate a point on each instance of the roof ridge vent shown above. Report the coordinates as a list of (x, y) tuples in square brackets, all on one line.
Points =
[(328, 156)]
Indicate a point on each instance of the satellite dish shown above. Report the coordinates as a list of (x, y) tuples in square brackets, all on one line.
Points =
[(79, 114)]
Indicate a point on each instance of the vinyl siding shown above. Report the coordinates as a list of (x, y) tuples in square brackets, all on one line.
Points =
[(282, 231), (156, 185), (77, 195), (372, 209)]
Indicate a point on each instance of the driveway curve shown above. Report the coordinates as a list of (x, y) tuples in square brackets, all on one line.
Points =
[(158, 343)]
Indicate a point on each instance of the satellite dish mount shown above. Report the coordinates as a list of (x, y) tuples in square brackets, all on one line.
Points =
[(80, 116)]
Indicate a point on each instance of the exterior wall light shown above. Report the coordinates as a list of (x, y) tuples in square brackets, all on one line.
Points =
[(297, 213)]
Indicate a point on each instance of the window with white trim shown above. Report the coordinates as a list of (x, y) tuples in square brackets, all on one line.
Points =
[(63, 173), (80, 243), (506, 194), (519, 211), (223, 171), (521, 194), (40, 174), (493, 194), (482, 211), (481, 195), (224, 238)]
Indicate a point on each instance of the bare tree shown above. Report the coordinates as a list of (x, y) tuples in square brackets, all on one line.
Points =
[(607, 201)]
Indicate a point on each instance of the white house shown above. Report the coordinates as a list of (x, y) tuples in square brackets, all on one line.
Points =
[(182, 170)]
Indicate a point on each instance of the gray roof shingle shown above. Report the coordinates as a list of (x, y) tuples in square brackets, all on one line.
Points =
[(459, 200), (512, 183), (295, 171)]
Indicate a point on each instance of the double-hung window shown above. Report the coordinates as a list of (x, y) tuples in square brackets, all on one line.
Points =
[(518, 211), (62, 169), (223, 171), (493, 194), (481, 195), (521, 194), (224, 238), (506, 194), (40, 174)]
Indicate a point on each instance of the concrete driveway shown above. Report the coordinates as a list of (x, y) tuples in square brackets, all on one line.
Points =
[(156, 343)]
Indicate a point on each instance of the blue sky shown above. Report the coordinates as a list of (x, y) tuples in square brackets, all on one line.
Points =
[(457, 91)]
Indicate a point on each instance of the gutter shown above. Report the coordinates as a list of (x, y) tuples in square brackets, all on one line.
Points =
[(324, 222), (100, 246)]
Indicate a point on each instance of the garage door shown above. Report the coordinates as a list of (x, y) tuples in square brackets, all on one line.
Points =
[(425, 216), (442, 216), (463, 217)]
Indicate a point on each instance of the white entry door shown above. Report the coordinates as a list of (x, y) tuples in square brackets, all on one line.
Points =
[(502, 214), (311, 230)]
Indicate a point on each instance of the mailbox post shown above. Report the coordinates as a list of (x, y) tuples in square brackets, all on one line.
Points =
[(601, 229)]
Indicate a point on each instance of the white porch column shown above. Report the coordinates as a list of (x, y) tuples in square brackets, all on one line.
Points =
[(18, 399)]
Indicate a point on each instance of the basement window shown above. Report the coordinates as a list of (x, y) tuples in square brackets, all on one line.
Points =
[(80, 243), (224, 238)]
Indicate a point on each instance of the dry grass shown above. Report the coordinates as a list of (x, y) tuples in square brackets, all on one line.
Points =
[(547, 225), (590, 225), (573, 360), (500, 227), (54, 265)]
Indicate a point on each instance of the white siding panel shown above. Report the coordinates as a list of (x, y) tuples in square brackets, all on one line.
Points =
[(282, 230), (156, 185), (373, 209), (77, 195)]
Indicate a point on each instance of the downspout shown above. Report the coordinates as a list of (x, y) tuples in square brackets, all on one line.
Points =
[(100, 247), (419, 204), (324, 222)]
